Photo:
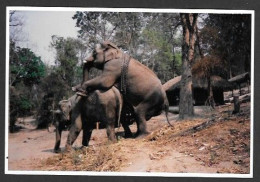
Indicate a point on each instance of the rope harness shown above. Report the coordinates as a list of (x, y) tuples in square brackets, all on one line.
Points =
[(124, 71)]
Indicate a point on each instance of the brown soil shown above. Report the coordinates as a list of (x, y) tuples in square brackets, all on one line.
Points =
[(220, 146)]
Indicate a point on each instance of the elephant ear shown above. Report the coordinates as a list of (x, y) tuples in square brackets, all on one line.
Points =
[(107, 44), (111, 51)]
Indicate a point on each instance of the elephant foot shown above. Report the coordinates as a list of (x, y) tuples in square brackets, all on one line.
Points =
[(128, 135), (83, 148), (82, 94), (57, 150), (76, 88), (140, 135), (68, 148), (79, 90)]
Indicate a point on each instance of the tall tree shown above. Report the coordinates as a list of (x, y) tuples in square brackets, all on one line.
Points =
[(189, 26)]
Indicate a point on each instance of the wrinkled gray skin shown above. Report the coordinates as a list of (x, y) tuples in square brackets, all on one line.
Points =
[(144, 90), (83, 112)]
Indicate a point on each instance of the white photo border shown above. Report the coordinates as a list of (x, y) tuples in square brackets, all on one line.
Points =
[(150, 10)]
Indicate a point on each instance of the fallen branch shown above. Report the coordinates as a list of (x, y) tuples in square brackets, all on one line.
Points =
[(197, 128)]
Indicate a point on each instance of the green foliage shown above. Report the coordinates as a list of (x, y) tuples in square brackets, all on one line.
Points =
[(20, 104), (177, 63), (26, 70), (95, 26), (25, 66), (67, 58), (78, 74), (54, 85), (160, 56), (24, 104), (53, 89)]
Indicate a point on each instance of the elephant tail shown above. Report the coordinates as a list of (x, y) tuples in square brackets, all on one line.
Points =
[(119, 109), (166, 110), (119, 114)]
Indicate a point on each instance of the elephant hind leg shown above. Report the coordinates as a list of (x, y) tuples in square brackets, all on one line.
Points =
[(111, 133), (140, 113), (125, 121), (128, 133), (87, 126)]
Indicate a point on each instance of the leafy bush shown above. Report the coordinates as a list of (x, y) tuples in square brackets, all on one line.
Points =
[(24, 105)]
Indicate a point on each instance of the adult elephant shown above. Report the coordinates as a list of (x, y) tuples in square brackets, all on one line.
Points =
[(140, 86), (81, 113)]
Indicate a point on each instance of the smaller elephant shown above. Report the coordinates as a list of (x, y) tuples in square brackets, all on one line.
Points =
[(83, 112)]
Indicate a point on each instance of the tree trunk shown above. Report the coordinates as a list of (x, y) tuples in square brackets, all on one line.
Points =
[(186, 99), (236, 105), (210, 99), (189, 24), (210, 90)]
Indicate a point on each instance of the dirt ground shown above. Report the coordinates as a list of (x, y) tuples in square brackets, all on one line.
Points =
[(213, 142)]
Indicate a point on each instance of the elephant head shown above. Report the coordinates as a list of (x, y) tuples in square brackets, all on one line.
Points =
[(65, 109), (102, 54)]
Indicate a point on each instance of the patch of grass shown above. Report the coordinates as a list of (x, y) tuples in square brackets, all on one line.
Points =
[(106, 157)]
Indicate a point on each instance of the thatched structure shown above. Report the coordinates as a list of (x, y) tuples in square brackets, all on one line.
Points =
[(200, 89), (240, 80), (243, 78)]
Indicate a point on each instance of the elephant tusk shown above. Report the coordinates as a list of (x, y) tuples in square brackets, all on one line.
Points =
[(56, 111)]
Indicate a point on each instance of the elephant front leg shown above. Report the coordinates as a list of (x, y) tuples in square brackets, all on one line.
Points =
[(86, 136), (73, 133), (102, 82), (58, 138)]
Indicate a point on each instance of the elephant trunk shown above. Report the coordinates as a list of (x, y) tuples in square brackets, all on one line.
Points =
[(86, 69), (88, 64)]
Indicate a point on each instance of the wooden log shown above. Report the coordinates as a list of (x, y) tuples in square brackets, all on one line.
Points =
[(197, 128)]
